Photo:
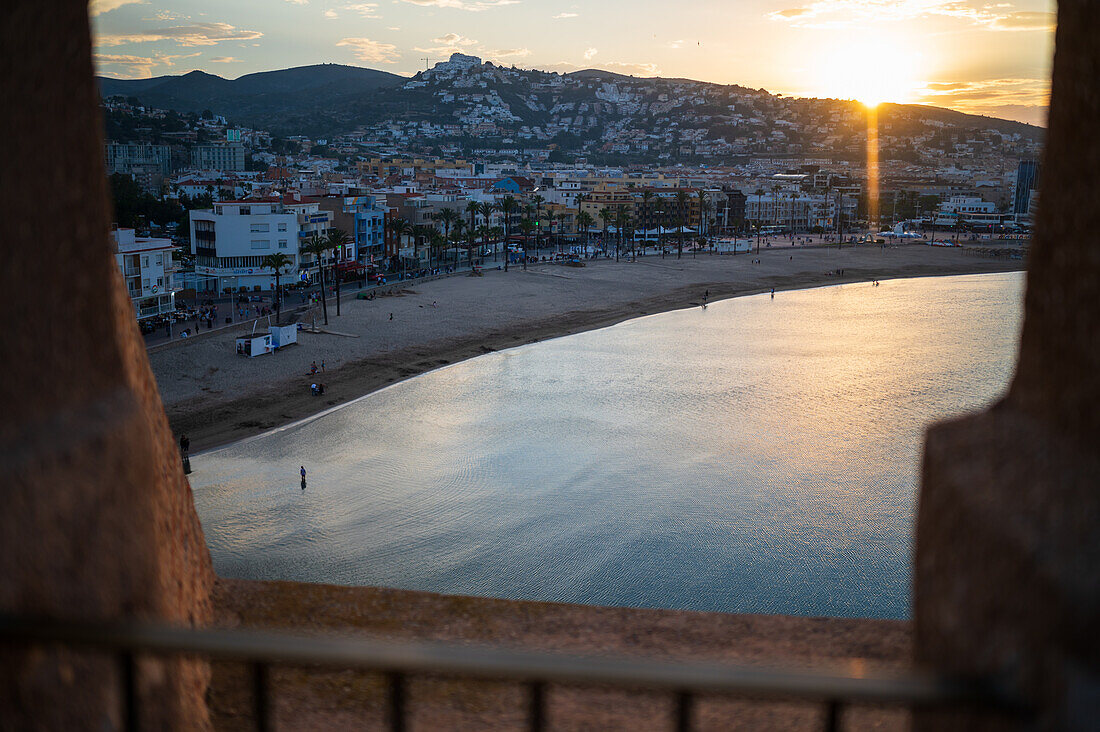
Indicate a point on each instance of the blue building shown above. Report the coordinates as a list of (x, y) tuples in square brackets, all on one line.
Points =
[(1027, 180), (363, 219)]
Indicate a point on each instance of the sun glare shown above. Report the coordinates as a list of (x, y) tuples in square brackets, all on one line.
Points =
[(872, 70)]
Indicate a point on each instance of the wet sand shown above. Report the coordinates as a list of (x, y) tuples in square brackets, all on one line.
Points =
[(217, 397)]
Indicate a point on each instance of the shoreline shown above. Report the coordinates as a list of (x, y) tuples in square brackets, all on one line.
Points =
[(213, 422)]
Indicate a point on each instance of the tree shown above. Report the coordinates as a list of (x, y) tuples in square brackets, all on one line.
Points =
[(337, 240), (622, 220), (447, 217), (486, 210), (508, 206), (277, 262), (681, 206), (606, 214), (460, 224), (537, 200), (400, 228), (317, 246), (526, 226), (647, 210), (702, 215), (473, 208), (584, 223)]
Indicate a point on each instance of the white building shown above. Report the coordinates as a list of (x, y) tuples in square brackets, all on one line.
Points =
[(148, 270), (231, 241), (968, 205)]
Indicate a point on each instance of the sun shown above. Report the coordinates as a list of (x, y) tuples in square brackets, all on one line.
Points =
[(871, 69)]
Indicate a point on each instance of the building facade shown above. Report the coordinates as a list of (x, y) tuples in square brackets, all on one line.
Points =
[(147, 164), (149, 271), (1027, 180), (231, 240), (218, 157)]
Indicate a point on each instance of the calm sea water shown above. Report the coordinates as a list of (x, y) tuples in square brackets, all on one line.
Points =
[(758, 456)]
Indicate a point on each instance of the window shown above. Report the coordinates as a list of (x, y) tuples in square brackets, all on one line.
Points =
[(282, 243), (145, 283), (160, 282), (145, 261), (245, 210), (261, 243), (159, 259), (261, 228), (282, 227)]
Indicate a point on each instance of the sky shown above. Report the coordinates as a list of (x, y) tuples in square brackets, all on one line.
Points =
[(980, 57)]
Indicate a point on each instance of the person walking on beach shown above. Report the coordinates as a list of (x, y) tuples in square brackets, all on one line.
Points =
[(391, 316), (322, 365), (303, 472), (185, 449), (773, 293)]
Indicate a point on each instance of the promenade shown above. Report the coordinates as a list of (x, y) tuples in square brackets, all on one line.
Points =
[(216, 397)]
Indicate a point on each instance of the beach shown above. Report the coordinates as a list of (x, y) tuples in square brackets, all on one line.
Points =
[(216, 397)]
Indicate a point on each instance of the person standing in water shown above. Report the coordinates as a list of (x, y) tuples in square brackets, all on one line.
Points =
[(303, 472)]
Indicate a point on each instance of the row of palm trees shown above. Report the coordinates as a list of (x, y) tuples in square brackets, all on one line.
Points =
[(334, 241)]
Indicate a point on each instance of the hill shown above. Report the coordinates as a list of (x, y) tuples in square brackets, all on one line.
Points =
[(466, 104)]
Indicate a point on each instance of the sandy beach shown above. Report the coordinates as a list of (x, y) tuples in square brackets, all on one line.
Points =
[(217, 397)]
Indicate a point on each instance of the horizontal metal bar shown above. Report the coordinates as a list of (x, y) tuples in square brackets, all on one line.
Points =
[(907, 688)]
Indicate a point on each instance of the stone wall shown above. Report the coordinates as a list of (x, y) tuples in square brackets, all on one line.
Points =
[(97, 521)]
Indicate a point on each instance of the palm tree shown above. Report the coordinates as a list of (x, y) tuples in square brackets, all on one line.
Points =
[(473, 208), (337, 240), (486, 210), (526, 226), (447, 217), (622, 220), (647, 209), (759, 193), (317, 246), (537, 200), (702, 216), (681, 206), (508, 205), (606, 215), (276, 262), (420, 233), (400, 228), (460, 224), (584, 223)]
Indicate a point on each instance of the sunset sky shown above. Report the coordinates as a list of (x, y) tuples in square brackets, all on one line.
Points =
[(981, 57)]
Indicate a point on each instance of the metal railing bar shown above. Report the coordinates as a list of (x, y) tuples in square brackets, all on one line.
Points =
[(684, 703), (260, 698), (832, 716), (910, 688), (128, 678), (538, 707), (397, 702)]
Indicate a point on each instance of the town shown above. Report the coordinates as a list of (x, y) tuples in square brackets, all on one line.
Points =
[(211, 208)]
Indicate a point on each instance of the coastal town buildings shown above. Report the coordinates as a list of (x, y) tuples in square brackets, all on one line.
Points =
[(230, 241), (148, 270)]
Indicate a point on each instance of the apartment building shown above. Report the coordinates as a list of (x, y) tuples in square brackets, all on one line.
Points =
[(231, 240), (148, 269), (218, 157)]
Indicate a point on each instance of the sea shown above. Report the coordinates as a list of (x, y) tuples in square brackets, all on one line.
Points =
[(759, 455)]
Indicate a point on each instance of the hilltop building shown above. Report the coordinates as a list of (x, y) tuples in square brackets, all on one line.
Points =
[(218, 157)]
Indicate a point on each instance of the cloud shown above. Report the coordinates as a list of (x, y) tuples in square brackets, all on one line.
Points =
[(676, 44), (198, 34), (473, 6), (225, 60), (847, 13), (632, 69), (367, 50), (562, 16), (298, 2), (330, 14), (448, 44), (366, 10), (136, 67), (503, 54), (590, 53), (99, 7), (1024, 99)]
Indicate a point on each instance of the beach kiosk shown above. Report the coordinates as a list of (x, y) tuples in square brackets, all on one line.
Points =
[(283, 335), (255, 345)]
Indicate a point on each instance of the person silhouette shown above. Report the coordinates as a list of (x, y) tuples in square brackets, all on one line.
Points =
[(303, 472)]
